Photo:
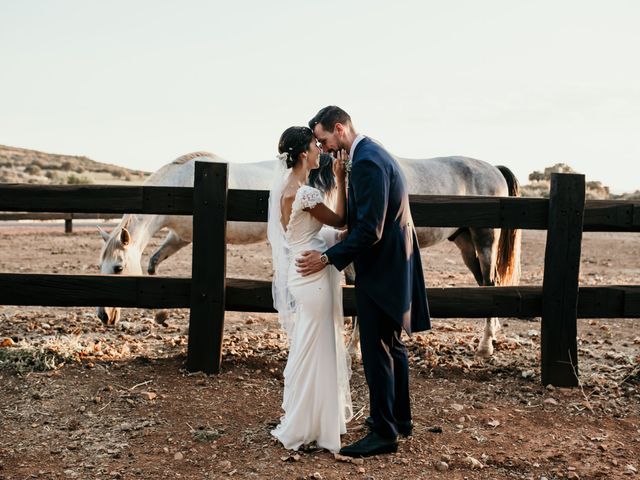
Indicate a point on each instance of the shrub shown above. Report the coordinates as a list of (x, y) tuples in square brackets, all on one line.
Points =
[(78, 180), (39, 163), (33, 169), (67, 166)]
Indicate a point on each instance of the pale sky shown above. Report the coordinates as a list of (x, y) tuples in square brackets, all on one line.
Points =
[(525, 84)]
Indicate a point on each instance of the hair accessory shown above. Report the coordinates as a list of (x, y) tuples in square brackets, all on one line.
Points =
[(283, 157)]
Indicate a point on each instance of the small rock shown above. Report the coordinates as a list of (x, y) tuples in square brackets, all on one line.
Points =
[(343, 458), (550, 401), (442, 466), (225, 464), (178, 456), (474, 463), (361, 470), (573, 476), (149, 395), (457, 407), (317, 476), (632, 469)]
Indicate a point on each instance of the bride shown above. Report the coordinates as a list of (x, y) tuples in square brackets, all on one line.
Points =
[(317, 400)]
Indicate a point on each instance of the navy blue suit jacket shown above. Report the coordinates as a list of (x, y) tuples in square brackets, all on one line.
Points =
[(382, 241)]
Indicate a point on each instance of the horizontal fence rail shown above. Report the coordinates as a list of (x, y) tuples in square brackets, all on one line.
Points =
[(13, 216), (96, 198), (251, 206), (242, 295)]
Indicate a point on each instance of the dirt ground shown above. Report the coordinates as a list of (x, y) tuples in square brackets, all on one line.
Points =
[(83, 401)]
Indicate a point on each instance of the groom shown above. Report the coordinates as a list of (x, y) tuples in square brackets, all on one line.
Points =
[(390, 289)]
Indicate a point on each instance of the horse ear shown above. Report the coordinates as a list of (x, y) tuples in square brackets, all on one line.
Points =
[(103, 234), (125, 238)]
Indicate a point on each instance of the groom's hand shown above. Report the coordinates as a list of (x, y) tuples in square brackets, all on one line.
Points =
[(309, 263)]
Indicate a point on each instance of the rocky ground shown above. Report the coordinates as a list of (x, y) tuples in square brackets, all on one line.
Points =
[(80, 400)]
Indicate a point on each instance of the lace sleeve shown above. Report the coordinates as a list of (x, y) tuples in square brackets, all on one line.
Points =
[(308, 197)]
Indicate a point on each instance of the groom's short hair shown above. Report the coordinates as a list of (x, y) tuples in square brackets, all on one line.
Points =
[(328, 117)]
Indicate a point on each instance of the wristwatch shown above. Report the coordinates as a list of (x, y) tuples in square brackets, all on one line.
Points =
[(324, 259)]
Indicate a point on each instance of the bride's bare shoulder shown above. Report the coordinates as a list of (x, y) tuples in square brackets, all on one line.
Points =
[(289, 194)]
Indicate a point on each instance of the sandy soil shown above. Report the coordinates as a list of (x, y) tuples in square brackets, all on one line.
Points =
[(80, 400)]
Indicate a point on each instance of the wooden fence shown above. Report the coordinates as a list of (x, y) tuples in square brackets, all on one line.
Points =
[(208, 293), (67, 217)]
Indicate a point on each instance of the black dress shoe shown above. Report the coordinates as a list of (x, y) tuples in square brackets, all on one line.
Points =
[(405, 427), (372, 444)]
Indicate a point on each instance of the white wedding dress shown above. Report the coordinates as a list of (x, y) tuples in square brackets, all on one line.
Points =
[(317, 400)]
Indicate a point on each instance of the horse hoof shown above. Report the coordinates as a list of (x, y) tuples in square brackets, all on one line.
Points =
[(485, 351)]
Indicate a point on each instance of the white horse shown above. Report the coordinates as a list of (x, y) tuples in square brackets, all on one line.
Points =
[(492, 255), (123, 247)]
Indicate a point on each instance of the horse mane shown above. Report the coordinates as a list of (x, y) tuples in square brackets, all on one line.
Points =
[(190, 156)]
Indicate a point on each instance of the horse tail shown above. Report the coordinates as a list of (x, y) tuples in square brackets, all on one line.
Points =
[(508, 262)]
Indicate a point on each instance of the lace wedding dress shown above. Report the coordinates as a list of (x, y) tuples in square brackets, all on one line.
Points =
[(317, 400)]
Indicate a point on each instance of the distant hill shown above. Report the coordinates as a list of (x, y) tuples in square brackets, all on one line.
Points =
[(20, 165)]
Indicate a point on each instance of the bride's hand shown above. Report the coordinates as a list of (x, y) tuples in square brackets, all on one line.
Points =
[(339, 165)]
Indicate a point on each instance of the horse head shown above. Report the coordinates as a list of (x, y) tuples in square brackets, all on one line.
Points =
[(119, 256)]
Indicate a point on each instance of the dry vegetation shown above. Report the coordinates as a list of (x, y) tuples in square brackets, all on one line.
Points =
[(19, 165)]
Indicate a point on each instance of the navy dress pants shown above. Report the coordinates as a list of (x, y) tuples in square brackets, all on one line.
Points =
[(386, 366)]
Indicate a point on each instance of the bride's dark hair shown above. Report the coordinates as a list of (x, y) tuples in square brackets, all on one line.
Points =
[(294, 141)]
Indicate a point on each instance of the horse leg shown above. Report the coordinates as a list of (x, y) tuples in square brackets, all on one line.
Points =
[(485, 241), (468, 250), (171, 245)]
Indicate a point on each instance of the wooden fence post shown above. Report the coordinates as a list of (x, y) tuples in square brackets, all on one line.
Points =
[(560, 284), (208, 268), (68, 224)]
